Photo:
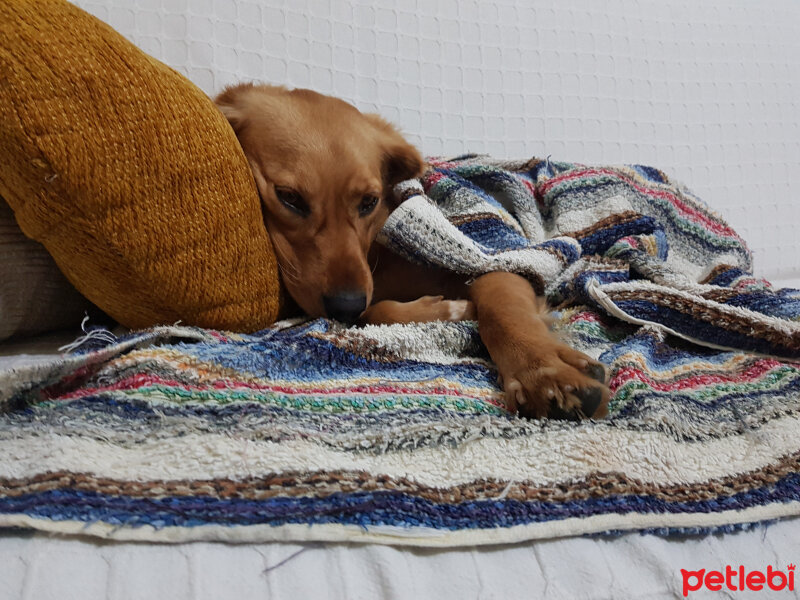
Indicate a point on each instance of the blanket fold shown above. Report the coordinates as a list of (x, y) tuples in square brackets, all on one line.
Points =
[(398, 434), (626, 240)]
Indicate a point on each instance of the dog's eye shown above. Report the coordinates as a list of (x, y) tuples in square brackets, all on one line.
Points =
[(368, 204), (293, 201)]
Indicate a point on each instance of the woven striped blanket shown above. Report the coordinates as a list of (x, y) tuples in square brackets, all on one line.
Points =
[(398, 434)]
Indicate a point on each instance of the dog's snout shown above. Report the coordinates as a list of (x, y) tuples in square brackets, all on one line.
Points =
[(345, 306)]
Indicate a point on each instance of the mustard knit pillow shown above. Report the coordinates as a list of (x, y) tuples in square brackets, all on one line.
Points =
[(128, 175)]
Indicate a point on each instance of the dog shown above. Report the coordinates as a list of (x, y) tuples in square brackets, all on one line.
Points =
[(325, 173)]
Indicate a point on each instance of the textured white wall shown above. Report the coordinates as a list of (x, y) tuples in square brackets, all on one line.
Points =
[(708, 91)]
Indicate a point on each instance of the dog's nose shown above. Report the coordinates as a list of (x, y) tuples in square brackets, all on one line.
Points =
[(345, 306)]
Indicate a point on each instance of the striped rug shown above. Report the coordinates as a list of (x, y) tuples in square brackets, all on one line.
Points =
[(398, 434)]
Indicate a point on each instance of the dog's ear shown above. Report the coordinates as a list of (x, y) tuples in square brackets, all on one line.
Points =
[(229, 103), (401, 160), (233, 114)]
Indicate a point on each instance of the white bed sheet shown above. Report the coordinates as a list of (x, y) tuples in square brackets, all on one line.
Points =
[(41, 567)]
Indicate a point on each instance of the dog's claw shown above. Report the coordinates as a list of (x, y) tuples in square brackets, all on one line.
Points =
[(596, 371), (591, 398), (514, 397), (556, 412)]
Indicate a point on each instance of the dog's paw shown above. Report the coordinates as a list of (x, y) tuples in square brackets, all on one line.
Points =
[(556, 381), (436, 308)]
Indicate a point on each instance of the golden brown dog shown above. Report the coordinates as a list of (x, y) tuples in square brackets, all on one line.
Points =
[(325, 173)]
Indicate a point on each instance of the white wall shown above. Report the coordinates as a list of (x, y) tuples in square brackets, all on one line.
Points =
[(706, 90)]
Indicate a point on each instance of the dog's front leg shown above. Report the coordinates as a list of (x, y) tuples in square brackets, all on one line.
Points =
[(410, 293), (421, 310), (541, 375)]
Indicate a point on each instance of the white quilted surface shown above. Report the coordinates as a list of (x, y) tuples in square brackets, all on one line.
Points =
[(709, 91), (631, 566)]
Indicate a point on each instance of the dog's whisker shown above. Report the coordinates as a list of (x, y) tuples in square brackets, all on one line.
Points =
[(291, 268), (289, 277), (377, 259), (286, 275), (287, 267)]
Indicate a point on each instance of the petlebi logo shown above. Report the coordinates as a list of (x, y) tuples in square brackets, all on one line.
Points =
[(738, 579)]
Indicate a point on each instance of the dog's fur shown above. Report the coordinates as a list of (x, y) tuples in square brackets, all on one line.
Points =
[(325, 173)]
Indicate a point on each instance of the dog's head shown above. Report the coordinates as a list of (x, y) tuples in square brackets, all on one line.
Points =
[(325, 172)]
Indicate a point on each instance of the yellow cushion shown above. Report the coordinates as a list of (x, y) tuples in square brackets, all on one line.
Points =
[(128, 175)]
